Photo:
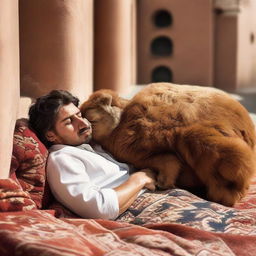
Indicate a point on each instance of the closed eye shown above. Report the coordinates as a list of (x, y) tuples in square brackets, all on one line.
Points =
[(68, 121)]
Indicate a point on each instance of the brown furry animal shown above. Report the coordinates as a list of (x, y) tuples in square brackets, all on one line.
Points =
[(192, 136)]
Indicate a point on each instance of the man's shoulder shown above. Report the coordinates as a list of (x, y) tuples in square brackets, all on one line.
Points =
[(59, 149), (64, 153)]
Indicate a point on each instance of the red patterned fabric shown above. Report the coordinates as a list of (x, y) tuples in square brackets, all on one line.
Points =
[(181, 207), (28, 163), (40, 233), (13, 198), (173, 222), (26, 188)]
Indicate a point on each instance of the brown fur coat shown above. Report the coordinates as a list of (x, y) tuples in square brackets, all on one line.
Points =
[(191, 136)]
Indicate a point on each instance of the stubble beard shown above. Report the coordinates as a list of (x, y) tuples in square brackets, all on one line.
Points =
[(88, 139)]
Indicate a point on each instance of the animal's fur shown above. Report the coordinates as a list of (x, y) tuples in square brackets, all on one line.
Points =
[(192, 136)]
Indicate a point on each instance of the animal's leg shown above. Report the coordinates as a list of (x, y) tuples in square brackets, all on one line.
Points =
[(233, 172), (228, 195), (167, 166), (224, 164)]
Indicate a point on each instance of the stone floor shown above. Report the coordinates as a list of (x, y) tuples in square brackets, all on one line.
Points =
[(247, 97)]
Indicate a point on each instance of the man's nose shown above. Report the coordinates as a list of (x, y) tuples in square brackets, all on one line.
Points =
[(83, 122)]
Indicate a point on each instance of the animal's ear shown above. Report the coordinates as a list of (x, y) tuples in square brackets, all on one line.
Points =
[(98, 98), (102, 98)]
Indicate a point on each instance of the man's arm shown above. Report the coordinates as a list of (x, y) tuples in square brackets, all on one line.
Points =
[(129, 190), (71, 186)]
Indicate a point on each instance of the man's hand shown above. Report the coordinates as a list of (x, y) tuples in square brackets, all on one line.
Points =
[(147, 177), (129, 190)]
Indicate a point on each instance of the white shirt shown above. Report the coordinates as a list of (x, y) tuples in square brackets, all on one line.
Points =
[(83, 181)]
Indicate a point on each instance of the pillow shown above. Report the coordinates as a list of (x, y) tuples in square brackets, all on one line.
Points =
[(13, 198), (28, 164)]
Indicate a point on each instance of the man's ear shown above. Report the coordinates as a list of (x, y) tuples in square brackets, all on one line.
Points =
[(50, 136)]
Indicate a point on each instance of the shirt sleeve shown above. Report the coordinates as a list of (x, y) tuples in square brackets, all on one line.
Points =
[(71, 186)]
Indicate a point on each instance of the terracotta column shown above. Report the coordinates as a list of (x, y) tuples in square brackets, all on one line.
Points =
[(246, 45), (134, 43), (235, 46), (113, 44), (9, 80), (253, 41), (226, 35), (56, 46)]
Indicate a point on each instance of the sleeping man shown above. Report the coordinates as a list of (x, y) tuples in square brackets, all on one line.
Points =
[(84, 178)]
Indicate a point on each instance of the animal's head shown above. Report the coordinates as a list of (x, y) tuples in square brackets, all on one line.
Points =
[(103, 110)]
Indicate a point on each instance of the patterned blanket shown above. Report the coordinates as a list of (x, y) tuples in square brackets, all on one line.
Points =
[(172, 222), (40, 233), (181, 207)]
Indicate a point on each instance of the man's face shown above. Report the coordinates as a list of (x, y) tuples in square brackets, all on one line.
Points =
[(70, 127)]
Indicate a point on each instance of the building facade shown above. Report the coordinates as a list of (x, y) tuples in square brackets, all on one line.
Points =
[(84, 45)]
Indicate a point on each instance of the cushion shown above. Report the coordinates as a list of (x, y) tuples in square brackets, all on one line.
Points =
[(13, 198), (29, 162)]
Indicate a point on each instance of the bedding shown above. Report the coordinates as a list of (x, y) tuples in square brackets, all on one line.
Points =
[(171, 222), (40, 233), (181, 207)]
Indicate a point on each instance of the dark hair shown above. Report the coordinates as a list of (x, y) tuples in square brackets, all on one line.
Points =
[(43, 113)]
